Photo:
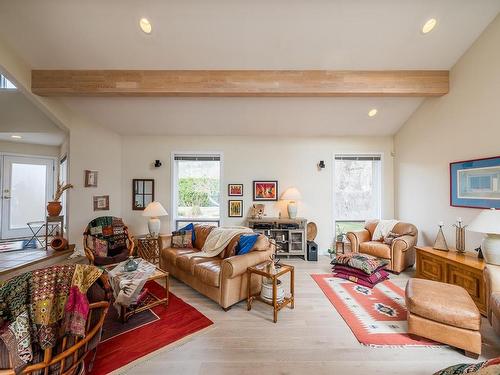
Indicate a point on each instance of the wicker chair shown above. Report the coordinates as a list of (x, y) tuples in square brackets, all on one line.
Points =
[(115, 226), (70, 352)]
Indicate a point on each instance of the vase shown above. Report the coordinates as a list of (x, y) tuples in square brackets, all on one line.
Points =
[(59, 243), (54, 208)]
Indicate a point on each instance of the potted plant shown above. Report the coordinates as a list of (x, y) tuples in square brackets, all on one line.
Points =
[(54, 207)]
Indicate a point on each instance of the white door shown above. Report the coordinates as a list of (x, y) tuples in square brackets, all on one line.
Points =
[(28, 184)]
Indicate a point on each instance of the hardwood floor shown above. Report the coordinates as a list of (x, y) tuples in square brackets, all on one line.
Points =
[(311, 339)]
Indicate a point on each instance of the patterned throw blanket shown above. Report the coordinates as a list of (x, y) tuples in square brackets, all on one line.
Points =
[(40, 306), (127, 285)]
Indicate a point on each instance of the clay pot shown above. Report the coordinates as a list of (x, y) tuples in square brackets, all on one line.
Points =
[(54, 208), (59, 243)]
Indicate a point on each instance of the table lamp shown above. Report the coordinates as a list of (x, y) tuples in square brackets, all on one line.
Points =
[(488, 221), (154, 210), (292, 195)]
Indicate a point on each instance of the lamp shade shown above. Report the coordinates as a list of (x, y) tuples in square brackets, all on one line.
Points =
[(291, 194), (488, 221), (154, 209)]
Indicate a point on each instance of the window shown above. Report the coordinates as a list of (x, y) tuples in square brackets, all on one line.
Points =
[(357, 191), (63, 178), (6, 84), (196, 188)]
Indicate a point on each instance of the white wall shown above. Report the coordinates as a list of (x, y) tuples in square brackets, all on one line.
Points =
[(465, 124), (28, 149), (94, 148), (291, 161)]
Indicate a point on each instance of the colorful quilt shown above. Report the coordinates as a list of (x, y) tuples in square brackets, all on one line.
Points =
[(109, 235), (33, 305)]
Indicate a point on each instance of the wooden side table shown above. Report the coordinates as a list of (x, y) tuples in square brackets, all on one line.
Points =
[(260, 269), (150, 300), (148, 248)]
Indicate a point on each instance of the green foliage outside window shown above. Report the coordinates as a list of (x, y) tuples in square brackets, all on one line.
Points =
[(198, 192)]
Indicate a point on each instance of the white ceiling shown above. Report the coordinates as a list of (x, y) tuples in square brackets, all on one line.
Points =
[(18, 116), (247, 116), (242, 34)]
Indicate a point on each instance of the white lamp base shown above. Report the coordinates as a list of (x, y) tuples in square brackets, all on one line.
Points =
[(491, 249), (292, 210), (154, 226)]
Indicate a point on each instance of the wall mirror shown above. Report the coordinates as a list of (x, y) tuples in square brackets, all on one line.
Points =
[(143, 193)]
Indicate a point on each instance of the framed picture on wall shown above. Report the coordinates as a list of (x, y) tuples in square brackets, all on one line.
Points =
[(101, 203), (235, 208), (235, 190), (143, 193), (475, 183), (265, 190), (90, 178)]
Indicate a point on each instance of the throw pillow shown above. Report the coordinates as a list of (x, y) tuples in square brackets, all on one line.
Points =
[(190, 227), (463, 368), (359, 277), (358, 280), (364, 262), (378, 274), (246, 243), (182, 239), (100, 247)]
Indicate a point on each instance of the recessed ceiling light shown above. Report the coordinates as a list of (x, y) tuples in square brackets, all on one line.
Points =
[(145, 25), (16, 136), (372, 112), (429, 25)]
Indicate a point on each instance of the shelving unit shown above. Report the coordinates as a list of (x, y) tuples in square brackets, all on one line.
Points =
[(289, 234)]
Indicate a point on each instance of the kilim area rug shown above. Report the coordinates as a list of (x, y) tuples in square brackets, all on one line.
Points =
[(377, 316), (146, 332)]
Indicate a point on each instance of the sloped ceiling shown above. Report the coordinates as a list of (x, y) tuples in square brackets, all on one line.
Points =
[(239, 34)]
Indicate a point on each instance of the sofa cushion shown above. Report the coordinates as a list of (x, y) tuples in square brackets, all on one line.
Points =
[(230, 249), (375, 248), (171, 254), (201, 233), (443, 303), (262, 243), (208, 272), (186, 262)]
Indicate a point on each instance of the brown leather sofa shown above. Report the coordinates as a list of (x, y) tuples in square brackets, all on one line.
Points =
[(492, 277), (401, 254), (223, 278)]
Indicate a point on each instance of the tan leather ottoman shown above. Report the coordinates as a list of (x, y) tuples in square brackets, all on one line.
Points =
[(443, 313)]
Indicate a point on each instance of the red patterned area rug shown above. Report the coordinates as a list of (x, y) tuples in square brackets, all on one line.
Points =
[(377, 316), (145, 332)]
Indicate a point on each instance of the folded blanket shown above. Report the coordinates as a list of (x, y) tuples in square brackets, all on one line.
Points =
[(383, 228), (218, 239)]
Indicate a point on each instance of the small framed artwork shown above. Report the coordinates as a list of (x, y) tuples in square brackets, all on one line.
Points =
[(235, 208), (90, 178), (235, 190), (101, 203), (265, 190), (143, 193), (475, 183)]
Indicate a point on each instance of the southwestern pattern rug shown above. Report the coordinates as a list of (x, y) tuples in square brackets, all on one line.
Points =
[(144, 333), (377, 316)]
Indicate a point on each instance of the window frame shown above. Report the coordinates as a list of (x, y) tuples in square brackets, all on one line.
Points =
[(380, 193), (173, 187)]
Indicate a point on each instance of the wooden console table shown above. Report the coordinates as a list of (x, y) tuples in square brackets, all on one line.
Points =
[(452, 267)]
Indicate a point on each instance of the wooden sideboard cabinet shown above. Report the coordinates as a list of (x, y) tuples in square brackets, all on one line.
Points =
[(452, 267)]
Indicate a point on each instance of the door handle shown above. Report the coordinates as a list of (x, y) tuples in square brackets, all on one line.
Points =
[(6, 197)]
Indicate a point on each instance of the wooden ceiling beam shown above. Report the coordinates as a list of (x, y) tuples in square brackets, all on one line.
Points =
[(252, 83)]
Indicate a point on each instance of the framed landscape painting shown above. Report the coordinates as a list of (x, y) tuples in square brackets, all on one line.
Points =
[(265, 190), (475, 183)]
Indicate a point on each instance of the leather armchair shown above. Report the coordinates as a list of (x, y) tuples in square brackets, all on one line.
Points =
[(492, 278), (400, 254)]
